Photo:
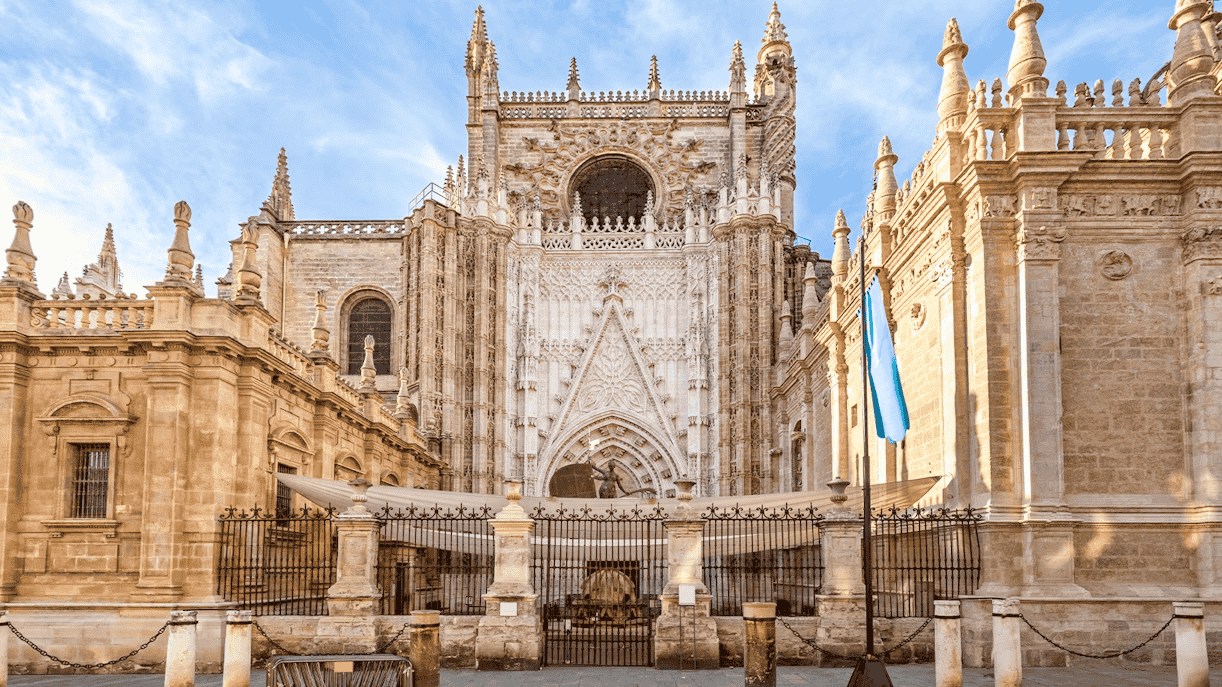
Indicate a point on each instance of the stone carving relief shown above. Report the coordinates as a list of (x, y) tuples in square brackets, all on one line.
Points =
[(1039, 199), (918, 316), (1209, 198), (1040, 243), (547, 163), (612, 380), (998, 207), (1212, 288), (1202, 242), (1107, 205), (1116, 265)]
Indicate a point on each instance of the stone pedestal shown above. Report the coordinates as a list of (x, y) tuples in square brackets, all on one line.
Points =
[(685, 637), (1007, 645), (948, 644), (355, 592), (759, 654), (511, 634), (1191, 656), (180, 650), (238, 626), (424, 648)]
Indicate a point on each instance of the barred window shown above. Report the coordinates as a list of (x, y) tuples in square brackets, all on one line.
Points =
[(91, 480), (612, 186), (284, 495), (370, 317)]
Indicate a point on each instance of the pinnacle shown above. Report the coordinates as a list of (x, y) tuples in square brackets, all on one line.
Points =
[(655, 80), (842, 222), (775, 31), (884, 148), (953, 35)]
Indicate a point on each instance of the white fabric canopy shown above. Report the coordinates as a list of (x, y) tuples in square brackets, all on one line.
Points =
[(582, 538)]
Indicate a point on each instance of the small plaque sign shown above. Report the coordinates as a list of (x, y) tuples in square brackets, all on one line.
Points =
[(509, 608), (687, 595)]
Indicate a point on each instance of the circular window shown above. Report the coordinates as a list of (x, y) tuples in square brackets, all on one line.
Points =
[(612, 186)]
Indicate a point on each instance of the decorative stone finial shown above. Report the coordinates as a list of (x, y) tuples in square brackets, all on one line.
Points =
[(839, 498), (786, 324), (181, 259), (738, 70), (360, 485), (884, 195), (576, 204), (1027, 62), (20, 255), (1189, 75), (280, 200), (574, 85), (250, 281), (320, 336), (369, 371), (403, 400), (840, 255), (810, 295), (952, 99), (63, 289), (655, 81), (199, 277), (774, 32)]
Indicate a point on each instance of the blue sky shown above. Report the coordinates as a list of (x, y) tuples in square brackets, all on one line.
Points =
[(112, 110)]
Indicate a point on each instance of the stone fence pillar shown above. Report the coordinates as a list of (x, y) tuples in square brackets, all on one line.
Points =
[(424, 648), (679, 627), (4, 648), (947, 644), (180, 650), (1007, 644), (511, 634), (237, 648), (759, 652), (355, 592), (1191, 657), (842, 609)]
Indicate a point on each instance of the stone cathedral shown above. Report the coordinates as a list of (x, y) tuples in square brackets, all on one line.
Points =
[(613, 278)]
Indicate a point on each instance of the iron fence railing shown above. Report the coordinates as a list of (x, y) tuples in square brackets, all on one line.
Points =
[(763, 554), (277, 564), (921, 555), (437, 559)]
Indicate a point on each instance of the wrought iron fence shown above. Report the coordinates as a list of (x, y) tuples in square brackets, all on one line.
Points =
[(277, 564), (763, 554), (599, 577), (920, 555), (437, 559), (428, 559)]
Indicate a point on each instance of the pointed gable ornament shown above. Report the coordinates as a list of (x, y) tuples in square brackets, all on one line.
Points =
[(574, 85)]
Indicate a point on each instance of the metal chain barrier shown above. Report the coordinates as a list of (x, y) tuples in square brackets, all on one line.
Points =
[(282, 649), (84, 666), (812, 644), (1084, 655)]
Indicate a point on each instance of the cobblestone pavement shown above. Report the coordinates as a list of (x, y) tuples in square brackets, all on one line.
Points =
[(1092, 675)]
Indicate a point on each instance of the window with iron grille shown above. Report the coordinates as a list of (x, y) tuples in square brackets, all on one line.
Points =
[(284, 495), (90, 480), (370, 317)]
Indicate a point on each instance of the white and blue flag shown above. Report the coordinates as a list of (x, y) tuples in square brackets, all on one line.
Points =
[(890, 410)]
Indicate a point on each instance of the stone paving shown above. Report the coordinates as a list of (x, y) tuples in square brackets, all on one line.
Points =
[(1093, 675)]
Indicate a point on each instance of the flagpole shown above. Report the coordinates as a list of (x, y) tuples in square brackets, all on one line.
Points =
[(866, 547)]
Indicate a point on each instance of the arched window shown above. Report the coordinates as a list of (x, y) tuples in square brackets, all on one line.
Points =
[(389, 480), (369, 317), (612, 186), (347, 469)]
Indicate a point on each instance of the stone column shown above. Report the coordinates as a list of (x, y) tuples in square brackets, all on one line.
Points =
[(1191, 656), (678, 627), (947, 644), (759, 652), (355, 592), (510, 636), (180, 650), (3, 648), (842, 610), (1007, 645), (424, 648), (237, 648)]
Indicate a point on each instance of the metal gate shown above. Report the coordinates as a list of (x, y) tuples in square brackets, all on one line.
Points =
[(599, 577)]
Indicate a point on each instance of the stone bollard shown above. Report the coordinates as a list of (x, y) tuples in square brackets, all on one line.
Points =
[(947, 644), (3, 648), (237, 648), (180, 650), (1191, 657), (424, 648), (759, 655), (1007, 645)]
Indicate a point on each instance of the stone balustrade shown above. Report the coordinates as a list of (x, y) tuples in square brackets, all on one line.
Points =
[(290, 353), (345, 228), (86, 313)]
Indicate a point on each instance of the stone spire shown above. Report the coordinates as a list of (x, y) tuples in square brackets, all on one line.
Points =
[(1189, 74), (21, 255), (492, 87), (101, 279), (738, 71), (199, 276), (280, 201), (952, 99), (181, 260), (774, 32), (63, 289), (810, 294), (884, 195), (574, 86), (476, 45), (320, 336), (655, 80), (841, 253), (1026, 73)]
